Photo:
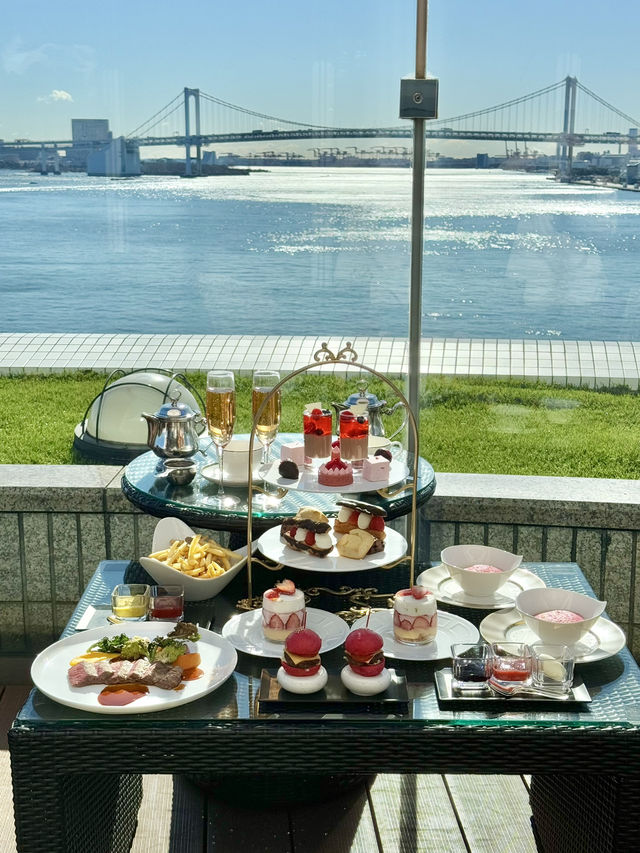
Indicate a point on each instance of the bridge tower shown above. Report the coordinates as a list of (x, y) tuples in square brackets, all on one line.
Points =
[(566, 149), (195, 94)]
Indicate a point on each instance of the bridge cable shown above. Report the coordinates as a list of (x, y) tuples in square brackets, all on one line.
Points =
[(144, 123), (510, 103), (634, 122), (262, 115)]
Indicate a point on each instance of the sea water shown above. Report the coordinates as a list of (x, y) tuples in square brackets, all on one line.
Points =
[(300, 251)]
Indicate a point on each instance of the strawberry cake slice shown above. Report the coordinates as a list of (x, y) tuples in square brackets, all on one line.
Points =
[(415, 616), (283, 611), (336, 472)]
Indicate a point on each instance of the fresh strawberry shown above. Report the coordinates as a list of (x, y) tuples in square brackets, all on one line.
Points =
[(271, 594), (404, 592), (422, 622), (335, 443), (316, 412), (419, 591), (293, 622), (347, 416), (353, 518), (376, 523), (292, 532), (276, 623), (286, 587), (310, 539)]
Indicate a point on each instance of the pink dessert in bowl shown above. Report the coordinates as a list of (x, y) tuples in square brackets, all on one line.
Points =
[(479, 569), (559, 615)]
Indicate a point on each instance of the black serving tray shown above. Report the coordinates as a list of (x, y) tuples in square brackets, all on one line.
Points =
[(333, 698), (578, 693)]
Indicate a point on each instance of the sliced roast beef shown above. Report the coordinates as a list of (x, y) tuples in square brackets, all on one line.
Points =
[(121, 671)]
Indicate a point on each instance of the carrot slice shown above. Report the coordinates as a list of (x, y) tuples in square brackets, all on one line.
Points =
[(188, 660)]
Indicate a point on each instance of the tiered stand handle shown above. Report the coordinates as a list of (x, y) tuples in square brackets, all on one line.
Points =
[(322, 358)]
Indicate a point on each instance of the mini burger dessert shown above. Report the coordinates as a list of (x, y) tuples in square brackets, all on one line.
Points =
[(357, 515), (283, 611), (301, 670), (308, 531), (365, 673)]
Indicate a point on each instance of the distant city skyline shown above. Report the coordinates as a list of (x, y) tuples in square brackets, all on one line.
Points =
[(337, 64)]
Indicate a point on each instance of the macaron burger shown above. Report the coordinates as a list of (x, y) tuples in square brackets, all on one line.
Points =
[(301, 670), (358, 515), (308, 531), (365, 673)]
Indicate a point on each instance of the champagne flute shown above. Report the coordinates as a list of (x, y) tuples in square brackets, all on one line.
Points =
[(221, 418), (264, 382)]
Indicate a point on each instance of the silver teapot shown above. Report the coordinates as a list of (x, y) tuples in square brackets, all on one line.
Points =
[(174, 429), (375, 409)]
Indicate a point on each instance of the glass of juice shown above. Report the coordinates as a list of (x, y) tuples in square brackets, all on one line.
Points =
[(354, 436), (130, 601), (167, 603), (511, 664)]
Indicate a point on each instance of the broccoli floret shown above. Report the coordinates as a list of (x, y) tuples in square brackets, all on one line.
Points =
[(112, 645), (166, 650), (135, 648)]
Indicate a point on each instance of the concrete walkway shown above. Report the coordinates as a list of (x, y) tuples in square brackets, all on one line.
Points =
[(582, 363)]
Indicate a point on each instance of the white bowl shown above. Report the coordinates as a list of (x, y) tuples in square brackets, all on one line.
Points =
[(195, 589), (458, 558), (530, 602)]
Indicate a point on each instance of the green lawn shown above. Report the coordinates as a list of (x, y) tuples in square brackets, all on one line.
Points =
[(499, 427)]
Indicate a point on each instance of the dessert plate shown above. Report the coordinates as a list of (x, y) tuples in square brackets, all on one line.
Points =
[(602, 641), (212, 474), (395, 547), (308, 480), (49, 670), (446, 590), (451, 629), (244, 631)]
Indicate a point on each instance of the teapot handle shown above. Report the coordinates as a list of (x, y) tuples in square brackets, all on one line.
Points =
[(390, 411)]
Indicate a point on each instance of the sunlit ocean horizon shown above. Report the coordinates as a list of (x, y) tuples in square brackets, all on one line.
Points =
[(298, 251)]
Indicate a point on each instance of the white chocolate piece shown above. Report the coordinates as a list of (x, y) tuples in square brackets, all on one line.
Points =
[(365, 685), (375, 469), (302, 683), (293, 450)]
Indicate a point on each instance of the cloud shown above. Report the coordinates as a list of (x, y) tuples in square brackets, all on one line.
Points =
[(54, 96), (18, 59)]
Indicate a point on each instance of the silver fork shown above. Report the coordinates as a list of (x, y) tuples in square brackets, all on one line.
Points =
[(508, 692)]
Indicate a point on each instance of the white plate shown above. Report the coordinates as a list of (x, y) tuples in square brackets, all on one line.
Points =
[(49, 670), (446, 590), (244, 631), (451, 629), (212, 474), (308, 480), (395, 547), (603, 640)]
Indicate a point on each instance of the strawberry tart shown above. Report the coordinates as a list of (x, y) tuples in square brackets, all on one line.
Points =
[(283, 611), (415, 616), (301, 670), (365, 673), (336, 472)]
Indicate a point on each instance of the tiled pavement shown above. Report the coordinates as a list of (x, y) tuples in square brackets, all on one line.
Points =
[(586, 363)]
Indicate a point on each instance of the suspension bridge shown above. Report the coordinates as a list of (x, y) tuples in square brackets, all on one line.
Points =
[(566, 114)]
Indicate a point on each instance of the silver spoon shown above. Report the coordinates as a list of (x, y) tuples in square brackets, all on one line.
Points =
[(508, 692)]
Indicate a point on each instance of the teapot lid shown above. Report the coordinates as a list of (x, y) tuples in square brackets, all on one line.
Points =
[(362, 395), (174, 411)]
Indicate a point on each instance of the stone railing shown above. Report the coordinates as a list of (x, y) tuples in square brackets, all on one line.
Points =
[(58, 522)]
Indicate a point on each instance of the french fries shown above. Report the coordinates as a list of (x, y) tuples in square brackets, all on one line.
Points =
[(196, 556)]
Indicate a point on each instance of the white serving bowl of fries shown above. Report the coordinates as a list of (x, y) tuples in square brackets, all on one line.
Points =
[(201, 566)]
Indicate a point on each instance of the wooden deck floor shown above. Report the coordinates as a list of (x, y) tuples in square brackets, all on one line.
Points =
[(393, 814)]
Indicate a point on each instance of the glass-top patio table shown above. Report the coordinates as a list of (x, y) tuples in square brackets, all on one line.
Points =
[(76, 775)]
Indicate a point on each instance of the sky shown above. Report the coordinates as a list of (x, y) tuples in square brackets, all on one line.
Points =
[(336, 62)]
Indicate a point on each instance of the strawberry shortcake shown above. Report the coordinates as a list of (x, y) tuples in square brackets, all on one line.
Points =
[(283, 611), (415, 616)]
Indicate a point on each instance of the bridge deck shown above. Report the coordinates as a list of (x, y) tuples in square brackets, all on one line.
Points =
[(586, 363)]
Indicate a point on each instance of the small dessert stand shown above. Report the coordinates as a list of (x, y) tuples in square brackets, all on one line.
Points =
[(359, 598)]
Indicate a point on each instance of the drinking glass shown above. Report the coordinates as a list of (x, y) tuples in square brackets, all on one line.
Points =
[(552, 666), (511, 664), (221, 418), (130, 601), (471, 666), (166, 603), (264, 382)]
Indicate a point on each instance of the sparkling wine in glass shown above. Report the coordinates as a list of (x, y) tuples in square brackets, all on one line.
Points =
[(221, 418), (267, 426)]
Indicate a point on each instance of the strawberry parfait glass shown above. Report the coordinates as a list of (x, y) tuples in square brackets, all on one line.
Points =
[(318, 429), (354, 437)]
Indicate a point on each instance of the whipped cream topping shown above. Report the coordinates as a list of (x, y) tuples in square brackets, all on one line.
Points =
[(407, 605), (284, 603)]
